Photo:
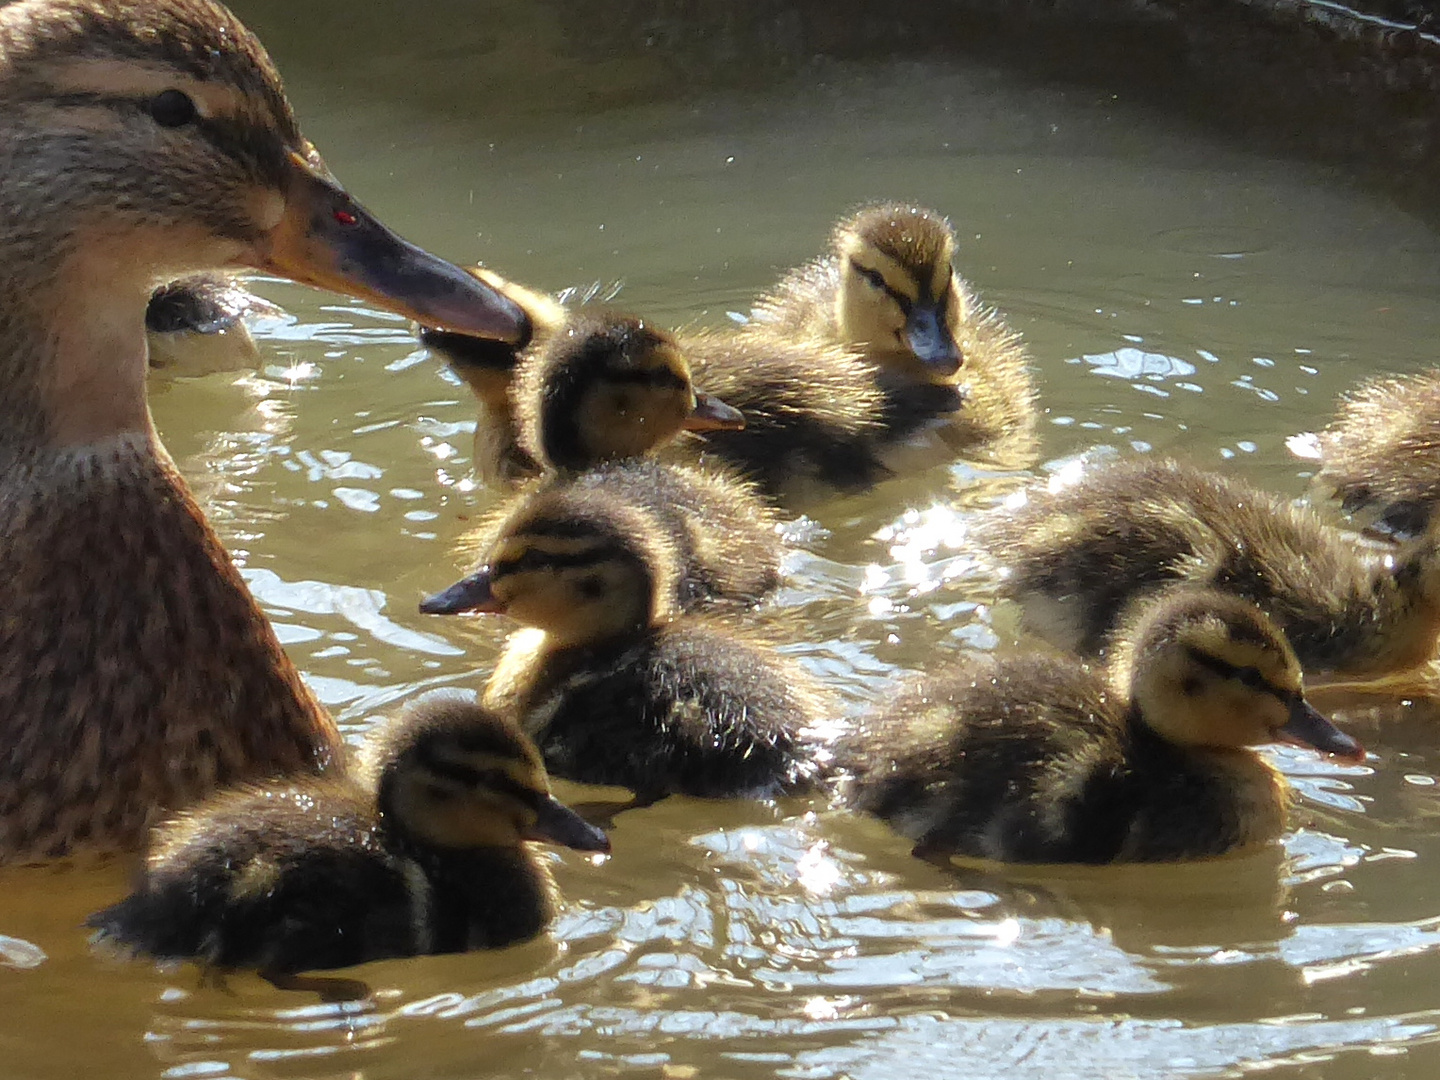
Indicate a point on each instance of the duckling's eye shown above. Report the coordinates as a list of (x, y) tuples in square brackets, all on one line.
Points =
[(590, 588), (173, 109), (874, 277), (1251, 678)]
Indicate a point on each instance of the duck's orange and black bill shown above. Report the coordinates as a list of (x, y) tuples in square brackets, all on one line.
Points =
[(556, 823), (328, 240), (712, 414), (1308, 727), (928, 335), (472, 593)]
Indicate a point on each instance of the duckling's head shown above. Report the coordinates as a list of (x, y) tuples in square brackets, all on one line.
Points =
[(898, 297), (607, 387), (582, 564), (1212, 671), (451, 774), (143, 139)]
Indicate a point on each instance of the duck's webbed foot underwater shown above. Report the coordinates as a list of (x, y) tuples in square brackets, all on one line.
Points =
[(333, 990)]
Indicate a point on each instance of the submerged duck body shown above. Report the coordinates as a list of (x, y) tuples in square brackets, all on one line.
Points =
[(613, 682), (139, 142), (1041, 759), (1077, 555), (422, 853), (946, 364)]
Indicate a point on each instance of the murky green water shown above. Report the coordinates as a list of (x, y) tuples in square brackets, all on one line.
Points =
[(1176, 296)]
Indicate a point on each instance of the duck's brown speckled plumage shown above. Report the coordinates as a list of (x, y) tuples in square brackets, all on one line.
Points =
[(1039, 758), (1077, 555)]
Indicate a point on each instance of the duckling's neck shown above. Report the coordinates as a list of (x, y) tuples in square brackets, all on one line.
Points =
[(480, 898)]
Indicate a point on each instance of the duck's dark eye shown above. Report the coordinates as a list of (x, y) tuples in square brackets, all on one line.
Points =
[(874, 277), (173, 108)]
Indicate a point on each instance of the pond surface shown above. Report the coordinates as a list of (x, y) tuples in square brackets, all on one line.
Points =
[(1176, 297)]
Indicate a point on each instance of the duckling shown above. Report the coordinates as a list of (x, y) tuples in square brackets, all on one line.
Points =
[(613, 683), (1075, 555), (488, 368), (815, 414), (726, 540), (888, 289), (423, 851), (1039, 758), (140, 142), (607, 387), (1380, 456), (196, 325)]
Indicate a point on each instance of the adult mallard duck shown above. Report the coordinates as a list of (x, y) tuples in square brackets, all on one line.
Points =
[(422, 852), (1039, 758), (140, 141), (888, 289), (1077, 554)]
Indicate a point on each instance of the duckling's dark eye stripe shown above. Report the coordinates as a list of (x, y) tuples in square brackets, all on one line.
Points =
[(546, 560), (1249, 676), (494, 779), (874, 277), (651, 377)]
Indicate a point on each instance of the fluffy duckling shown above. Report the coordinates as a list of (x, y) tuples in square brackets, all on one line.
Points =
[(1039, 758), (488, 368), (140, 142), (606, 387), (888, 288), (423, 852), (196, 325), (617, 687), (1380, 456), (815, 414), (1076, 555), (725, 539)]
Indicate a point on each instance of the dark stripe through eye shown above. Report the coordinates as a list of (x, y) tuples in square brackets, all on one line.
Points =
[(534, 559), (877, 279), (1248, 676), (494, 779), (649, 377)]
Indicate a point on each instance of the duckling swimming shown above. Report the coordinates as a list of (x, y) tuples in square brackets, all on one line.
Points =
[(423, 852), (1380, 456), (196, 325), (139, 142), (613, 683), (1076, 555), (1039, 758), (888, 289)]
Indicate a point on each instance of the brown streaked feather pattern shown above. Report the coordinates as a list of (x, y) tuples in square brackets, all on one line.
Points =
[(118, 702)]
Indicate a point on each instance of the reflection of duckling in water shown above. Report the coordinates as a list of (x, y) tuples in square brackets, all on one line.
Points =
[(195, 325), (1380, 456), (888, 289), (422, 853), (139, 140), (621, 689), (1076, 555), (488, 368), (1038, 758)]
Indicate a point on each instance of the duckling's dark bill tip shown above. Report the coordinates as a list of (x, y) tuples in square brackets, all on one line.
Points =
[(712, 414), (1307, 727), (468, 594), (556, 823)]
